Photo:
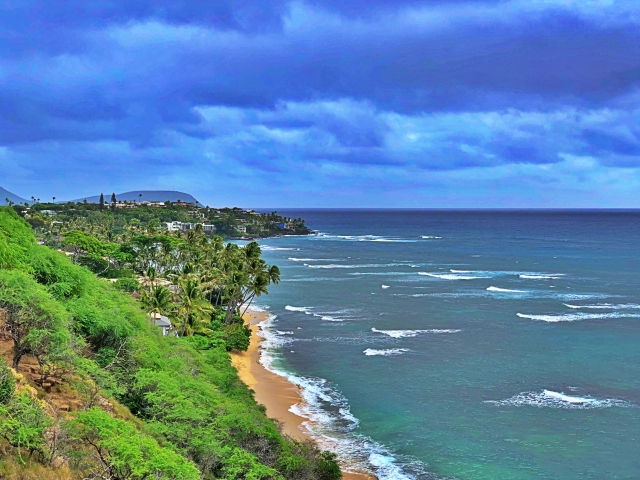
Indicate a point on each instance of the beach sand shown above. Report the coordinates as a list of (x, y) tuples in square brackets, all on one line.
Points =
[(273, 391)]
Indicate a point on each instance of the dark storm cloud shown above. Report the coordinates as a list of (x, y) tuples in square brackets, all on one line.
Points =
[(433, 85)]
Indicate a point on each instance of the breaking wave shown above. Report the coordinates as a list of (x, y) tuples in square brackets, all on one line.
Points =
[(572, 317), (449, 276), (606, 306), (413, 333), (542, 276), (549, 398), (328, 417), (504, 290), (369, 352)]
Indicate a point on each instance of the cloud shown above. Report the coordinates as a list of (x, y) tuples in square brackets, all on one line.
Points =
[(320, 90)]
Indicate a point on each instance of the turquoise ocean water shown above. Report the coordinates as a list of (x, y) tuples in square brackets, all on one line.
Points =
[(468, 345)]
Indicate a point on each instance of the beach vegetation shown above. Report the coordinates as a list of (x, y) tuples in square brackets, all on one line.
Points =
[(98, 392)]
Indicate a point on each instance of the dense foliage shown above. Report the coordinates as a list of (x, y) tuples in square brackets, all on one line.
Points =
[(107, 221), (187, 414)]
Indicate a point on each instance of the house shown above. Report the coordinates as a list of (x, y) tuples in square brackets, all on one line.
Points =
[(179, 226), (284, 226), (152, 204), (161, 321), (241, 229), (185, 227), (48, 213)]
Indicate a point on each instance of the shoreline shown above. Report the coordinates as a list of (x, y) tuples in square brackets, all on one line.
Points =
[(273, 391)]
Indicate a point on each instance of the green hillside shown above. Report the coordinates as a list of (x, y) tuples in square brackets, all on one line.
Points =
[(97, 392)]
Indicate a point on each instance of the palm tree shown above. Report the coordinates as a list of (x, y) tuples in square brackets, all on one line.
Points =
[(194, 310), (54, 199), (157, 300)]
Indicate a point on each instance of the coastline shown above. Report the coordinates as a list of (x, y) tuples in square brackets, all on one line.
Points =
[(273, 391)]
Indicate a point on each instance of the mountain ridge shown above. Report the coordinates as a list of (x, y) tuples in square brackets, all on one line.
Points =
[(147, 195), (4, 194)]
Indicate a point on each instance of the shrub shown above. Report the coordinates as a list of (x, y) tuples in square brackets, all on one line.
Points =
[(23, 423), (127, 285), (107, 444), (7, 383), (237, 337)]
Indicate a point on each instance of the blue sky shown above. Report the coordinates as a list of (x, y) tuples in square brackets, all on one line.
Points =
[(325, 103)]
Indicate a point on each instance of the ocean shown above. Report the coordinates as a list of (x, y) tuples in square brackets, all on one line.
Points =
[(464, 344)]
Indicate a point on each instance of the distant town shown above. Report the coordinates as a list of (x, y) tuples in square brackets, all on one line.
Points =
[(111, 216)]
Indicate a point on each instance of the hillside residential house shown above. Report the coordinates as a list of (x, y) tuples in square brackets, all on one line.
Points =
[(185, 227), (241, 229), (162, 322)]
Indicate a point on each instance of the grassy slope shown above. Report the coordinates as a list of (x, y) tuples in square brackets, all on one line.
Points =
[(184, 393)]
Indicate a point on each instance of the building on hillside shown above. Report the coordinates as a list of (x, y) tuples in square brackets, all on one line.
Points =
[(185, 227), (125, 205), (162, 322), (284, 225), (241, 229), (152, 204), (48, 213)]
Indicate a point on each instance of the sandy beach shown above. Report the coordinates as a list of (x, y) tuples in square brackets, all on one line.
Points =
[(273, 391)]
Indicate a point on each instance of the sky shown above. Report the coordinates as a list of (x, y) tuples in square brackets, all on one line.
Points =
[(324, 103)]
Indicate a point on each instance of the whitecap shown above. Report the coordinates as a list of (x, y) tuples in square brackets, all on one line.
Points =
[(298, 309), (296, 259), (504, 290), (267, 248), (606, 306), (572, 317), (446, 276), (385, 286), (429, 237), (542, 276), (385, 353), (412, 333), (363, 265), (551, 399)]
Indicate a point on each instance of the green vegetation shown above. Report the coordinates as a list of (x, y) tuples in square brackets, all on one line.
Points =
[(107, 221), (115, 399)]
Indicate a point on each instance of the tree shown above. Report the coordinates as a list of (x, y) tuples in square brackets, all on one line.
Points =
[(83, 244), (120, 452), (158, 300), (193, 310), (101, 202), (23, 423), (36, 322)]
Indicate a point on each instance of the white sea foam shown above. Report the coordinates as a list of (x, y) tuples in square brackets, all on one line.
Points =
[(283, 333), (328, 417), (572, 317), (268, 248), (460, 271), (295, 259), (606, 306), (298, 309), (384, 286), (447, 276), (542, 276), (428, 237), (326, 316), (385, 353), (413, 333), (549, 398), (504, 290)]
